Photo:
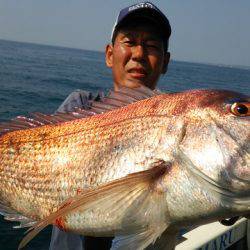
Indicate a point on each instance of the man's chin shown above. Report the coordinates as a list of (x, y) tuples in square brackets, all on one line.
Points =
[(133, 84)]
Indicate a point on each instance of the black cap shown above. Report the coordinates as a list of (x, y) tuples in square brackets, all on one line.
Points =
[(144, 10)]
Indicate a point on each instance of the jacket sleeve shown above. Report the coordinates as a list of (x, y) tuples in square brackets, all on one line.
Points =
[(61, 240), (78, 98)]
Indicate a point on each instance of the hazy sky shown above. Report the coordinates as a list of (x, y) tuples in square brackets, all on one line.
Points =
[(213, 31)]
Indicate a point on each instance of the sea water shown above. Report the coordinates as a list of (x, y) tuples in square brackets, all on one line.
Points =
[(37, 78)]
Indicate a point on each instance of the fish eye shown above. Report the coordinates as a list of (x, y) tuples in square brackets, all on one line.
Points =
[(240, 109)]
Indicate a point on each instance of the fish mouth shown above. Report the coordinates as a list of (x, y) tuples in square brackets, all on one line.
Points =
[(228, 195)]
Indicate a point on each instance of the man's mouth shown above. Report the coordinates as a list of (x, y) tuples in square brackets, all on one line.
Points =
[(137, 72)]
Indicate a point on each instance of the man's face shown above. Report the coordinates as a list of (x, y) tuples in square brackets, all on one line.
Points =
[(137, 57)]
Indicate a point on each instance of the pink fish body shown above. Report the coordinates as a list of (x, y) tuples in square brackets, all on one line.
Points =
[(136, 171)]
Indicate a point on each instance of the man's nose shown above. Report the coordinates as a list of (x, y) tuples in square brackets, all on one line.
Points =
[(138, 52)]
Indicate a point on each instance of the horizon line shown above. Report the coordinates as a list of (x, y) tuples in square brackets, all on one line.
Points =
[(246, 67)]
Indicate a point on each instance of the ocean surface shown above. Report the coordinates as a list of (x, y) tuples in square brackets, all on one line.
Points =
[(38, 78)]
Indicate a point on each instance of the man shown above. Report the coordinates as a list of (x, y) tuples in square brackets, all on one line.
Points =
[(138, 55)]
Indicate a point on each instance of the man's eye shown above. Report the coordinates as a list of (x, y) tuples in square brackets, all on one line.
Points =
[(129, 42), (153, 45)]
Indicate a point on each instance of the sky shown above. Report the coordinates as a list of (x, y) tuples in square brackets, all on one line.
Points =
[(208, 31)]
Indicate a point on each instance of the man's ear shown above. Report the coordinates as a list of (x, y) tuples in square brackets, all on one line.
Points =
[(165, 62), (109, 55)]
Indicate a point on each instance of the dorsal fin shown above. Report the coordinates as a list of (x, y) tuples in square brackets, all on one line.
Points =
[(114, 100)]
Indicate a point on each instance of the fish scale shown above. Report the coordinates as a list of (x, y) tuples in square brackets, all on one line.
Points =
[(57, 147)]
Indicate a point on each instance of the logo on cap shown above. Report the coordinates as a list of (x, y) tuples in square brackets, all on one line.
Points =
[(140, 5)]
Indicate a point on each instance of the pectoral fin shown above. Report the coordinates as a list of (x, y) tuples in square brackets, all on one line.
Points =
[(137, 241), (140, 207), (166, 241)]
